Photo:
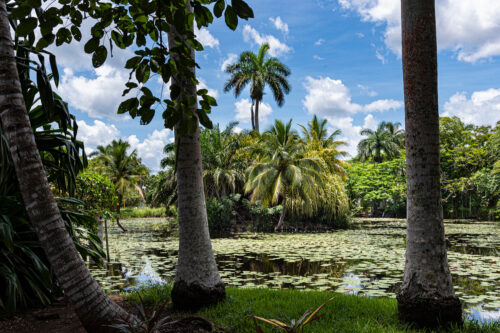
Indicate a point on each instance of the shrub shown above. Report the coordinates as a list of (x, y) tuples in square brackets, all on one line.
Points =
[(220, 214)]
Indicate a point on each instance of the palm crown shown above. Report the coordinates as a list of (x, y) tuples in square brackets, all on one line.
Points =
[(259, 70), (384, 142)]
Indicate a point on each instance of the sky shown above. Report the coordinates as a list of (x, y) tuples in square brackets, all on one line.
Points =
[(345, 61)]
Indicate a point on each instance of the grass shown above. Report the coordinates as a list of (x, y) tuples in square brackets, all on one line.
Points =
[(343, 314), (142, 212)]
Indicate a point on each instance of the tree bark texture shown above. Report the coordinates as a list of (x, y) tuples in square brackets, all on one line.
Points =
[(92, 305), (427, 297), (197, 280), (256, 115)]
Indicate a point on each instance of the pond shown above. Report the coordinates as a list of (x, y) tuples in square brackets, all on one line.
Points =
[(368, 260)]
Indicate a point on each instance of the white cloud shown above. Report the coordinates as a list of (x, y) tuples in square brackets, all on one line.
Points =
[(231, 59), (98, 134), (99, 96), (242, 109), (471, 29), (150, 150), (360, 34), (317, 57), (351, 133), (205, 37), (319, 42), (276, 49), (482, 108), (279, 24), (332, 99)]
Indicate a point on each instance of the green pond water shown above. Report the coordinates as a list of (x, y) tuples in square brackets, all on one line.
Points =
[(368, 260)]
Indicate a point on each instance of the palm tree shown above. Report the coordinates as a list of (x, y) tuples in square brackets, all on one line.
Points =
[(396, 132), (223, 168), (378, 144), (258, 70), (125, 170), (427, 296), (282, 170), (94, 308), (320, 144), (197, 280)]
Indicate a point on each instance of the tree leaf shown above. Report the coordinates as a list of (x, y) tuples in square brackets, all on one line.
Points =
[(26, 26), (99, 56), (231, 18), (219, 8)]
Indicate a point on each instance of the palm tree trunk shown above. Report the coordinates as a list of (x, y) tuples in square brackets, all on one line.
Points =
[(118, 208), (427, 297), (256, 115), (281, 221), (252, 114), (197, 280), (92, 305)]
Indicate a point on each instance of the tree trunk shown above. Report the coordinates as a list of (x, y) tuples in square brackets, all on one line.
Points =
[(94, 308), (252, 114), (281, 221), (197, 280), (427, 297), (256, 115), (118, 208)]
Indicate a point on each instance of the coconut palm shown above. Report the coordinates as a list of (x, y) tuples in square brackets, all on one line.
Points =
[(123, 169), (197, 280), (427, 296), (378, 144), (90, 302), (282, 170), (259, 70), (322, 145), (223, 168)]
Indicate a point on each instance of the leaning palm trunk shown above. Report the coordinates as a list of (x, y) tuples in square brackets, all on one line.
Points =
[(92, 305), (427, 297), (197, 280), (281, 221)]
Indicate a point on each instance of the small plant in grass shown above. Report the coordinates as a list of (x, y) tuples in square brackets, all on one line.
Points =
[(293, 325), (147, 321)]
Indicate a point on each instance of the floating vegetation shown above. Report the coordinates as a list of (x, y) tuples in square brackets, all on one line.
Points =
[(368, 260)]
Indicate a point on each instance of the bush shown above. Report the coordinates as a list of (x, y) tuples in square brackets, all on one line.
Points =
[(221, 214), (142, 212)]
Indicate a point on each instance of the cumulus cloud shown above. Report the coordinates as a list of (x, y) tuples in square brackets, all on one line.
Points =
[(482, 108), (279, 24), (351, 133), (330, 98), (99, 97), (150, 150), (276, 49), (367, 91), (97, 134), (205, 37), (242, 109), (317, 57), (471, 29), (231, 59)]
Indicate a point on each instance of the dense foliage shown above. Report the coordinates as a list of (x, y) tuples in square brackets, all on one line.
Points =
[(470, 180)]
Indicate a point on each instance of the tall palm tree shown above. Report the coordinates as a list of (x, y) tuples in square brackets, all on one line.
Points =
[(378, 144), (282, 170), (427, 296), (320, 144), (223, 168), (197, 280), (125, 170), (259, 70), (91, 304)]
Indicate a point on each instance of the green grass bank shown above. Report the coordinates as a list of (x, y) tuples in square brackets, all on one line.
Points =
[(343, 314)]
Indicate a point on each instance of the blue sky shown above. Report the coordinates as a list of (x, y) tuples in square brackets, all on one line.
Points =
[(345, 61)]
